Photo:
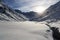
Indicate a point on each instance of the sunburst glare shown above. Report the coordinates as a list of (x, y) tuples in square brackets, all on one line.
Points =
[(39, 9)]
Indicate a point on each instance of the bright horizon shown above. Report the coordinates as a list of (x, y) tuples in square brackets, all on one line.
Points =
[(39, 9)]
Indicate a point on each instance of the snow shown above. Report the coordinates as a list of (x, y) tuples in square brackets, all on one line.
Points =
[(24, 31), (10, 14)]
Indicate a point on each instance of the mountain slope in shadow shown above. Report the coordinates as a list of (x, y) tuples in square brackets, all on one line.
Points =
[(9, 14)]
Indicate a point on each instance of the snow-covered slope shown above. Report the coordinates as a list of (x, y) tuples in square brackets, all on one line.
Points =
[(24, 31), (8, 14), (52, 13)]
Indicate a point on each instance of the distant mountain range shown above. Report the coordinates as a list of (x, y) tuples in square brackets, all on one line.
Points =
[(51, 14), (30, 15)]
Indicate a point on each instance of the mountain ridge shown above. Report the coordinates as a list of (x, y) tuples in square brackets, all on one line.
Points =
[(52, 13), (10, 14)]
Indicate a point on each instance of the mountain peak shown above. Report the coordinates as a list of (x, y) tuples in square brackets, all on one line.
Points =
[(52, 13)]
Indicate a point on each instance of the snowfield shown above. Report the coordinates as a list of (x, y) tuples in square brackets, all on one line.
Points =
[(24, 31)]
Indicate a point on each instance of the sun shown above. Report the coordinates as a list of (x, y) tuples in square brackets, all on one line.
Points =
[(39, 9)]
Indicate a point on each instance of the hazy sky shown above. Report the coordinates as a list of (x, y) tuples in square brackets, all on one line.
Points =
[(28, 5)]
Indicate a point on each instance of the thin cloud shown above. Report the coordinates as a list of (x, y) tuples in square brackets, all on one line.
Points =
[(27, 5)]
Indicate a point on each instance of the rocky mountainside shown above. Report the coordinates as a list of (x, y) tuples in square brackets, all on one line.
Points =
[(8, 14), (30, 15), (52, 13)]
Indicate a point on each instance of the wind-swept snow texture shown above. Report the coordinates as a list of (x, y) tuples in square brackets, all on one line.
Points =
[(9, 14), (24, 31)]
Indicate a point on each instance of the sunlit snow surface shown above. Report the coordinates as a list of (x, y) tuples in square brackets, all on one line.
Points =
[(24, 31)]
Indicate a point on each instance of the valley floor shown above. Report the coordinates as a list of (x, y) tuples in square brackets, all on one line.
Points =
[(24, 31)]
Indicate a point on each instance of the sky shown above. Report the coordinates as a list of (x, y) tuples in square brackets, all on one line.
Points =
[(30, 5)]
